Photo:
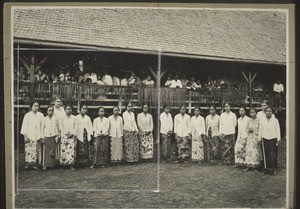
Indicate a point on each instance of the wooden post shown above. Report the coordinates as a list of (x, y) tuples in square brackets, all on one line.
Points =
[(31, 72), (79, 97), (190, 103), (250, 88)]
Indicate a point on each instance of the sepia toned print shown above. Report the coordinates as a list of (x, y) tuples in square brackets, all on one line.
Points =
[(194, 104)]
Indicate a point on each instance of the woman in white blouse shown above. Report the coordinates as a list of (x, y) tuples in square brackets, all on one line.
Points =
[(212, 133), (198, 131), (166, 129), (116, 134), (269, 134), (50, 136), (101, 143), (228, 123), (130, 135), (182, 130), (67, 127), (83, 132), (145, 125), (32, 131), (241, 142)]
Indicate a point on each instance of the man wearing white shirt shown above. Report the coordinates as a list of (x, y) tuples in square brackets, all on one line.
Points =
[(176, 83), (269, 134), (182, 130), (278, 87), (228, 123), (166, 129)]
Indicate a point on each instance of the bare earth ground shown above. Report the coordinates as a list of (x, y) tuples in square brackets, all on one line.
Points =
[(181, 185)]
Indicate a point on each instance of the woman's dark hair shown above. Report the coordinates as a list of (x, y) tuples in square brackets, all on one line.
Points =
[(269, 107), (68, 105), (166, 105), (49, 106), (227, 103), (116, 107), (213, 106), (242, 107), (265, 101), (81, 106), (127, 103), (253, 108), (197, 107), (146, 103), (32, 103), (101, 108), (181, 106), (56, 98)]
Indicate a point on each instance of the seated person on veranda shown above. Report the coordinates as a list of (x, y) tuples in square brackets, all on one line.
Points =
[(116, 81), (192, 84), (124, 81), (41, 77), (107, 79), (278, 87), (176, 83), (184, 81), (169, 81), (148, 82), (62, 76), (198, 85), (133, 80), (93, 77), (100, 80)]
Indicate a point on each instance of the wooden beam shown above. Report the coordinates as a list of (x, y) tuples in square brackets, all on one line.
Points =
[(152, 71), (163, 73), (245, 76), (25, 64), (41, 64), (254, 76), (32, 67)]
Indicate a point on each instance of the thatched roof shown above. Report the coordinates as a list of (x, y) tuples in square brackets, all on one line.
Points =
[(233, 34)]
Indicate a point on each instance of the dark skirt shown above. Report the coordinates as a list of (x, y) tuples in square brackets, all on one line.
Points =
[(269, 153), (183, 146), (227, 149), (48, 152), (83, 150), (165, 146), (131, 146), (214, 148), (101, 150)]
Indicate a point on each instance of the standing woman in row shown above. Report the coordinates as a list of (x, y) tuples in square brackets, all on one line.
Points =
[(49, 139), (182, 130), (32, 132), (116, 135), (228, 123), (241, 142), (67, 127), (198, 132), (212, 132), (58, 113), (130, 135), (145, 125), (166, 129), (101, 143), (253, 147), (269, 134), (84, 130)]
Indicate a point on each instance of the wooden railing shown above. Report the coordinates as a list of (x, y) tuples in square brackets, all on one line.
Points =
[(95, 95)]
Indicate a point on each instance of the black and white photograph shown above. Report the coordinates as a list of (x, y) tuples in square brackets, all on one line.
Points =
[(150, 107)]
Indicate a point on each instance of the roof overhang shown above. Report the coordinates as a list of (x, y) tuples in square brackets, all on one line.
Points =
[(77, 47)]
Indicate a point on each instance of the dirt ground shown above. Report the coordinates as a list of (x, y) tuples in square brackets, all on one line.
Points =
[(187, 185)]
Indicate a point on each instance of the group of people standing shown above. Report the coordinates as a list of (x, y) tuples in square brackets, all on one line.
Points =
[(70, 140)]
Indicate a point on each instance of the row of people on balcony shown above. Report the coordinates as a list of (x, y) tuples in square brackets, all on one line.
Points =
[(66, 138)]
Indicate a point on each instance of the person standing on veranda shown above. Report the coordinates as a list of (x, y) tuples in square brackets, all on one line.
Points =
[(182, 130), (84, 131), (50, 136), (212, 132), (67, 127), (32, 131), (253, 147), (101, 140), (116, 135), (269, 135), (228, 123), (166, 130), (130, 135), (145, 126), (198, 133), (241, 142)]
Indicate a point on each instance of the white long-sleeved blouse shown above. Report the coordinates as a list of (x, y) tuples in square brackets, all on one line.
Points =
[(115, 126), (50, 126), (197, 126), (81, 124), (100, 125), (228, 123), (67, 125), (212, 122), (182, 125), (269, 129), (242, 127), (129, 121), (166, 123), (32, 125), (145, 122)]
